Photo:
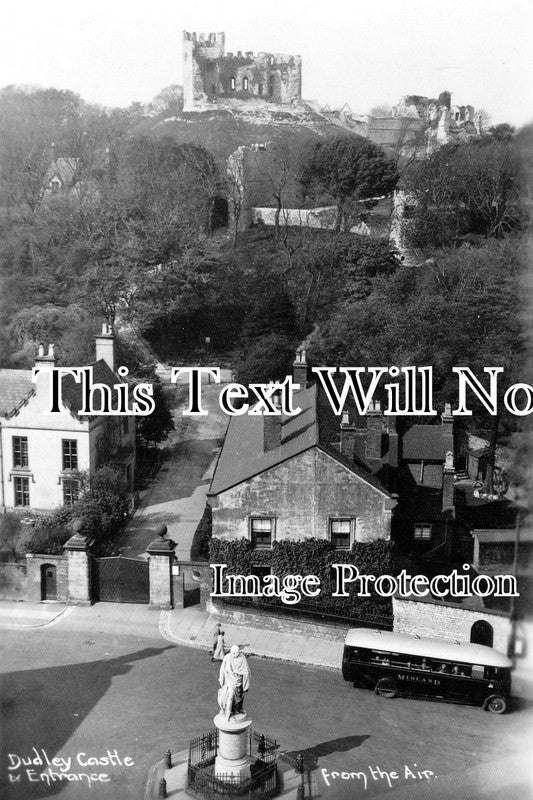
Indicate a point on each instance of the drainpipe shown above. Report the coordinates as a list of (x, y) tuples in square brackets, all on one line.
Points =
[(513, 615)]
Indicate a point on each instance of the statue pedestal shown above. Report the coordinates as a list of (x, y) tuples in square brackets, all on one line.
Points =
[(232, 759)]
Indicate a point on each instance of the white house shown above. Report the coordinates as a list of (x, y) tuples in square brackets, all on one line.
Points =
[(42, 454)]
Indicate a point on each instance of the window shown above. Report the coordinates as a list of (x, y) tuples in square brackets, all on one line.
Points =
[(232, 84), (22, 491), (340, 531), (423, 531), (261, 529), (70, 492), (245, 84), (20, 451), (70, 454)]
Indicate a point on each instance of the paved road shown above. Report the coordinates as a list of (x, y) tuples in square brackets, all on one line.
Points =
[(103, 678), (177, 495)]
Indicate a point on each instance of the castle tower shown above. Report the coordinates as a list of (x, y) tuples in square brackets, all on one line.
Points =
[(211, 76), (200, 66)]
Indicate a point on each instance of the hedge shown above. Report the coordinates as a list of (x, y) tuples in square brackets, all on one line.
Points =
[(315, 557)]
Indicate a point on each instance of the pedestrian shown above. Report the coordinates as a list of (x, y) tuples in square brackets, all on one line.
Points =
[(218, 651)]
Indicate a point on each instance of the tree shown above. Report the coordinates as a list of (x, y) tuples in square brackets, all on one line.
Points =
[(263, 359), (473, 187), (351, 169), (154, 428), (102, 506), (470, 299)]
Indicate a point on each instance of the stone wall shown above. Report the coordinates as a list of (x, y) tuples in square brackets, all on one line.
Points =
[(274, 622), (302, 494), (435, 618), (12, 580), (33, 578), (308, 218), (192, 575)]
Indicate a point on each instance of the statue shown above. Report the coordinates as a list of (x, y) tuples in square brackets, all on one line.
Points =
[(234, 679)]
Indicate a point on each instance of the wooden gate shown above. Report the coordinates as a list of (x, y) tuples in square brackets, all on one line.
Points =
[(120, 580)]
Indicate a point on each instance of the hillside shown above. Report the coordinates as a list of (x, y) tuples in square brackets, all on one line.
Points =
[(223, 130)]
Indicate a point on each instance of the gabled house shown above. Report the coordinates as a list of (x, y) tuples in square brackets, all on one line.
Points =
[(279, 477), (42, 454)]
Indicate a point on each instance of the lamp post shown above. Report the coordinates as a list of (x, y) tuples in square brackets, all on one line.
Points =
[(207, 343)]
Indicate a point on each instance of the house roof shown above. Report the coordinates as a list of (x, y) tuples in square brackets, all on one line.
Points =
[(15, 386), (426, 443), (72, 391), (243, 454), (63, 168)]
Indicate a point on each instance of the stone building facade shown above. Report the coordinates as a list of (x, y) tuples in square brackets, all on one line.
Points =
[(211, 75), (280, 478)]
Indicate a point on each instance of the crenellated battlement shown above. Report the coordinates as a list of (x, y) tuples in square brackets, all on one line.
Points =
[(209, 73), (209, 40)]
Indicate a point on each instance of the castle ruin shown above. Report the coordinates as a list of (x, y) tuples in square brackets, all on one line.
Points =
[(212, 76)]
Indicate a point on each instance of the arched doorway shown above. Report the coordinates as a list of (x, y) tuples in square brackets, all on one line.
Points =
[(219, 213), (482, 633), (48, 582)]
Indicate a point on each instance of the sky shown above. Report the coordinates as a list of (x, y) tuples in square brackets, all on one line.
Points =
[(361, 52)]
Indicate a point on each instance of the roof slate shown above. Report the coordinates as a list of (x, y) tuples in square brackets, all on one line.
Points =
[(243, 454), (15, 386), (72, 391), (426, 443)]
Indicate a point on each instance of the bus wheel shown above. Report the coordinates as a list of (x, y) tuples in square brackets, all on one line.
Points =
[(496, 704), (385, 688)]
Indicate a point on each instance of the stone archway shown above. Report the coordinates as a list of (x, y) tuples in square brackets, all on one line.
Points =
[(219, 216)]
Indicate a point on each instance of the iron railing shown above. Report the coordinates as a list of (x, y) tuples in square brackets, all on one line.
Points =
[(260, 783)]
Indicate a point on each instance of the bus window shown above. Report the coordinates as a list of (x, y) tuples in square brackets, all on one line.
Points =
[(462, 670), (477, 671)]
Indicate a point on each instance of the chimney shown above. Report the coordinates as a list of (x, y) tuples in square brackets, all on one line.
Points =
[(447, 428), (393, 440), (347, 440), (299, 369), (374, 430), (448, 483), (272, 428), (105, 346), (42, 360)]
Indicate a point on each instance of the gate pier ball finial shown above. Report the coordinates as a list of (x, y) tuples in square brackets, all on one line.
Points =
[(161, 531)]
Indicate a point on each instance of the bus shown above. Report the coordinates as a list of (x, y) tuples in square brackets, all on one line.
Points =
[(396, 664)]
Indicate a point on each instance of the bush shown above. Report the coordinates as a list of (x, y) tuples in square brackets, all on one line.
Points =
[(315, 557), (102, 507)]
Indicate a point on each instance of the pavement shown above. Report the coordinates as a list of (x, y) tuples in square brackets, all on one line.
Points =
[(194, 627)]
